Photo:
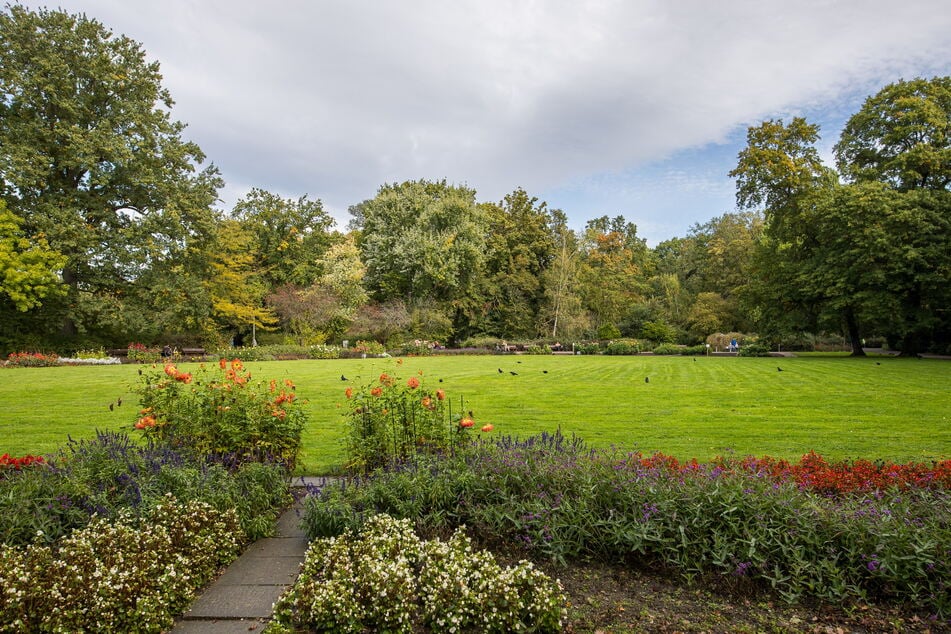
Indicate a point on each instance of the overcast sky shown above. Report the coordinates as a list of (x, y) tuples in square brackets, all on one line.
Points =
[(630, 107)]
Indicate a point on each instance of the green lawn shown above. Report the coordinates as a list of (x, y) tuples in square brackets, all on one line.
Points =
[(896, 409)]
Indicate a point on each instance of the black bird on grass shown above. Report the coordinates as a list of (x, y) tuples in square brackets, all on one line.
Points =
[(343, 378), (544, 371), (647, 379), (500, 371), (513, 372), (778, 369)]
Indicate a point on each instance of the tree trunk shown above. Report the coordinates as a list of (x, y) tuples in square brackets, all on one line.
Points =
[(854, 335)]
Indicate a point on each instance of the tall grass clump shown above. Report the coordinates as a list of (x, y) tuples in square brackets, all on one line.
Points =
[(755, 523)]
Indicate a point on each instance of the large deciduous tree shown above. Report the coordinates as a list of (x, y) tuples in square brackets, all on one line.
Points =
[(520, 248), (614, 269), (901, 138), (424, 243), (92, 161), (290, 236), (872, 252)]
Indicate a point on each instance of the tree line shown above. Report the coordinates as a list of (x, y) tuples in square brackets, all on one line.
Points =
[(109, 232)]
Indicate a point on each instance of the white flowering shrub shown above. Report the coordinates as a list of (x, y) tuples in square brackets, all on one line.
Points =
[(119, 575), (384, 578)]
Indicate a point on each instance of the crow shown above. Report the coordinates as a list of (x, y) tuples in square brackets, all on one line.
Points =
[(500, 371), (513, 373), (119, 402), (647, 379), (110, 407), (778, 369), (544, 371), (343, 378), (440, 380), (878, 363), (518, 362)]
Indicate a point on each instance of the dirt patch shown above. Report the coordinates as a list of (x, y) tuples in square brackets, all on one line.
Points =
[(614, 599)]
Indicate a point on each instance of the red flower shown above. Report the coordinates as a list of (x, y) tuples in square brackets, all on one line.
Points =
[(349, 392), (376, 391), (487, 428), (413, 383), (222, 363), (465, 423), (440, 395)]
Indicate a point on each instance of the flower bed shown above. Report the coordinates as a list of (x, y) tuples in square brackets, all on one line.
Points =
[(384, 578), (116, 535), (127, 574), (764, 523)]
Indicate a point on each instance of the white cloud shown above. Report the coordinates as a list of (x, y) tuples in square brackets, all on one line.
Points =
[(335, 98)]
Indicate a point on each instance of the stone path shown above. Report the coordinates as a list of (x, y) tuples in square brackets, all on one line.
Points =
[(242, 598)]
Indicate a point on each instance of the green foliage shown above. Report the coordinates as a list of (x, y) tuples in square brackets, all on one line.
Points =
[(671, 349), (901, 136), (658, 332), (28, 268), (538, 349), (622, 346), (561, 500), (520, 248), (111, 474), (608, 331), (91, 160), (385, 578), (754, 349), (288, 237), (222, 412), (121, 575)]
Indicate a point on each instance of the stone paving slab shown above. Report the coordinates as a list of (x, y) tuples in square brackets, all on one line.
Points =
[(235, 602), (288, 524), (242, 598), (258, 571), (277, 547), (220, 627)]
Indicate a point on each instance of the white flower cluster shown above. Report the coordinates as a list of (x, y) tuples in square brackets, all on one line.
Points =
[(386, 578), (121, 575), (76, 361)]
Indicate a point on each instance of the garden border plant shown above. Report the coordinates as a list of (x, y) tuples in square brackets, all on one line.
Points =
[(385, 578), (741, 520)]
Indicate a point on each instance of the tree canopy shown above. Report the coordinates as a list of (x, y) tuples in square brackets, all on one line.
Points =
[(109, 231)]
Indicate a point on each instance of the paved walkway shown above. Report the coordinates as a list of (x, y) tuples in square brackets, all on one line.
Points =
[(243, 597)]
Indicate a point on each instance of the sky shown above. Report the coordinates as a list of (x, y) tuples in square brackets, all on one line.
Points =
[(629, 107)]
